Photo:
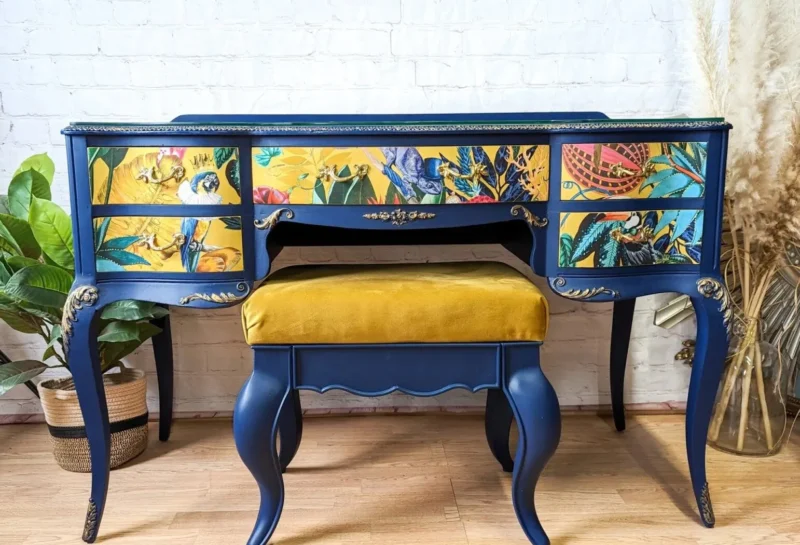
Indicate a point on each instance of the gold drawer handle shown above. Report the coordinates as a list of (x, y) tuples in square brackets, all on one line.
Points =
[(399, 217), (149, 242), (328, 174)]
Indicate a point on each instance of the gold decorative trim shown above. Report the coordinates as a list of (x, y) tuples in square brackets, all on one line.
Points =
[(399, 216), (78, 298), (714, 289), (530, 218), (222, 298), (581, 294), (706, 509), (90, 526), (272, 220)]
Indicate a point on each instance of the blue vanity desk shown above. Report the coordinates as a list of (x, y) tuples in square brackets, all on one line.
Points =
[(192, 213)]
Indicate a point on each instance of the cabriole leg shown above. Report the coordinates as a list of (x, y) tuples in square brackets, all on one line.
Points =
[(620, 341), (255, 427), (162, 350), (290, 429), (535, 407), (498, 427), (80, 341), (709, 362)]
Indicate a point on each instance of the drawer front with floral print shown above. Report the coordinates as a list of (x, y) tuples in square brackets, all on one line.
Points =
[(165, 175)]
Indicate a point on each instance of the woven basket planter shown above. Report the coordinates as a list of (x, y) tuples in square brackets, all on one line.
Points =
[(127, 409)]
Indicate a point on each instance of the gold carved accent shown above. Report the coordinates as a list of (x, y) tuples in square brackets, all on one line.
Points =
[(581, 294), (328, 174), (90, 526), (221, 298), (399, 216), (153, 176), (532, 219), (714, 289), (178, 240), (686, 353), (80, 297), (270, 221), (706, 509)]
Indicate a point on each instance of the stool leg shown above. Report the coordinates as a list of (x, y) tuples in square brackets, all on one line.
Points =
[(290, 429), (536, 409), (498, 427), (255, 426)]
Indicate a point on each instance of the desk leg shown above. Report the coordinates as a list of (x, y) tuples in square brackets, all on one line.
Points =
[(290, 429), (162, 350), (620, 341), (81, 340), (535, 406), (255, 427), (709, 362), (498, 427)]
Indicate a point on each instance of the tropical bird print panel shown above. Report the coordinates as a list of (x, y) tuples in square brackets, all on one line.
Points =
[(638, 170), (190, 176), (629, 239), (400, 175), (168, 244)]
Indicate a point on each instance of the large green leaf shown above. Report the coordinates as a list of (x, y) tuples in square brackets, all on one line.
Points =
[(221, 155), (22, 233), (683, 221), (318, 196), (7, 241), (338, 190), (4, 204), (100, 230), (53, 231), (18, 262), (24, 187), (41, 285), (18, 320), (112, 353), (120, 332), (112, 157), (19, 372), (122, 257), (129, 310), (41, 163), (360, 191)]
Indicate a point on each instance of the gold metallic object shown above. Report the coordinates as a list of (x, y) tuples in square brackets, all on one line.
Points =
[(90, 526), (80, 297), (686, 353), (221, 298), (706, 509), (153, 176), (714, 289), (328, 174), (580, 294), (178, 240), (399, 216), (532, 219), (270, 221)]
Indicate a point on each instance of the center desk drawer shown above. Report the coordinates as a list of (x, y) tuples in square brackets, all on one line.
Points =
[(401, 175), (168, 244), (165, 175)]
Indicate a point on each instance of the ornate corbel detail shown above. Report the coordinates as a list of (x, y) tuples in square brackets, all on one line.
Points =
[(712, 288), (399, 216), (80, 297), (272, 220), (90, 526), (580, 294), (530, 218), (153, 176), (706, 509), (222, 298), (328, 174)]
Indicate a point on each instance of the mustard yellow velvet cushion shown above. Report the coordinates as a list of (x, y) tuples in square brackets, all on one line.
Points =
[(367, 304)]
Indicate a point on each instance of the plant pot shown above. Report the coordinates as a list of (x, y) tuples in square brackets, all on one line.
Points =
[(127, 408), (753, 420)]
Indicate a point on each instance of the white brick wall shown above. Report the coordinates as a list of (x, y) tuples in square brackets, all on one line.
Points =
[(149, 60)]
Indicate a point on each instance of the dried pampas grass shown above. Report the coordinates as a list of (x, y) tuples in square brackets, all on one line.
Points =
[(752, 78)]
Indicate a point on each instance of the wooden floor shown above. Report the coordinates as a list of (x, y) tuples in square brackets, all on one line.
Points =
[(395, 480)]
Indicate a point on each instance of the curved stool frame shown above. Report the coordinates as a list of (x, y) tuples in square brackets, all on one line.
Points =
[(269, 402)]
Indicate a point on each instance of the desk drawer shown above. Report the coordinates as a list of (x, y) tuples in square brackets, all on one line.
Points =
[(638, 170), (189, 176), (624, 239), (168, 244), (401, 175)]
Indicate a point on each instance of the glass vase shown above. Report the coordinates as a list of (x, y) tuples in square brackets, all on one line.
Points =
[(750, 410)]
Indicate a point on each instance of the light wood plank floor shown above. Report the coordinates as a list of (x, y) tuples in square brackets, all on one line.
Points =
[(394, 480)]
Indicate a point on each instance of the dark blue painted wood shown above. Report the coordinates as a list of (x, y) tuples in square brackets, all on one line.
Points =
[(290, 429), (497, 424), (620, 341), (162, 351), (384, 118)]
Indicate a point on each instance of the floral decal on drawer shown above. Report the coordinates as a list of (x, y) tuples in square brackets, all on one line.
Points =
[(626, 239), (401, 175), (163, 244), (187, 176), (633, 171)]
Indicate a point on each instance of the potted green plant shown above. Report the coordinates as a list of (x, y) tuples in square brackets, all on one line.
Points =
[(36, 273)]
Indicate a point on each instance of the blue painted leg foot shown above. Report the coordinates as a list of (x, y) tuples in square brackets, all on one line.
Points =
[(498, 427), (620, 341), (162, 350), (709, 362), (536, 409), (290, 429), (255, 426), (80, 342)]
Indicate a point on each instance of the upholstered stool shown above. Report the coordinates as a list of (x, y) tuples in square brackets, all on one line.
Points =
[(371, 330)]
